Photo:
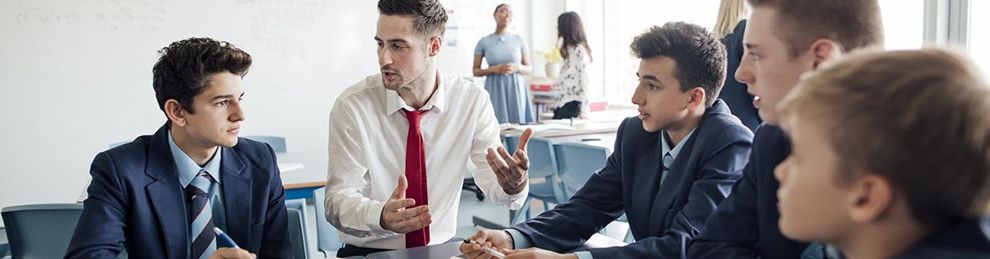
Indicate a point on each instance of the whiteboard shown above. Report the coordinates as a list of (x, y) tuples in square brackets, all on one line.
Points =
[(75, 75)]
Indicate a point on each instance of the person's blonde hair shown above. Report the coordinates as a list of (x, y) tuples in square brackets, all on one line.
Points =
[(730, 12), (919, 118)]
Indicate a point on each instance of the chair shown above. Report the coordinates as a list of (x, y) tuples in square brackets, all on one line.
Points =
[(542, 164), (3, 243), (328, 242), (510, 143), (576, 163), (277, 142), (297, 234), (40, 230)]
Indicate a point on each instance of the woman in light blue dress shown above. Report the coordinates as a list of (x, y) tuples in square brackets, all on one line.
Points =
[(508, 60)]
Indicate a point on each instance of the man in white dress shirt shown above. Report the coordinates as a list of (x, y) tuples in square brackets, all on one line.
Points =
[(401, 141)]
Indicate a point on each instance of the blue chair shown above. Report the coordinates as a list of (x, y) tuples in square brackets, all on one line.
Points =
[(297, 234), (40, 230), (3, 243), (576, 163), (510, 143), (542, 165), (327, 239), (277, 143)]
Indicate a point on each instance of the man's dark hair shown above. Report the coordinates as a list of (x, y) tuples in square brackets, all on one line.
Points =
[(699, 56), (429, 17), (183, 70)]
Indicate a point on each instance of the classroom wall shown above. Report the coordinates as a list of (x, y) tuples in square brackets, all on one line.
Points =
[(75, 75)]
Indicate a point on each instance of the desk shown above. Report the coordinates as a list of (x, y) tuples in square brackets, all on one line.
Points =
[(579, 127), (451, 249), (301, 182), (597, 123), (441, 251)]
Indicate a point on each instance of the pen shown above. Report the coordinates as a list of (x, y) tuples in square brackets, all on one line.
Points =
[(223, 240), (488, 250)]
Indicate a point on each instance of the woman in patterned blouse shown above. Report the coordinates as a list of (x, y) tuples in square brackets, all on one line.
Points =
[(574, 72)]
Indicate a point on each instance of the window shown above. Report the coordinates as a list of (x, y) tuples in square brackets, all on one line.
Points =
[(979, 37), (611, 25), (903, 23), (623, 20)]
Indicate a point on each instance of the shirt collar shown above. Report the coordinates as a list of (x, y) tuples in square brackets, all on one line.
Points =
[(677, 148), (394, 102), (188, 168)]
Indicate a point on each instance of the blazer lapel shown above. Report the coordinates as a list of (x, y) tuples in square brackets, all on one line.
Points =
[(671, 188), (682, 169), (166, 195), (648, 172), (237, 199)]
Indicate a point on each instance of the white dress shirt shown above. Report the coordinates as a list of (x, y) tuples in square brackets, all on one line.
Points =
[(368, 151)]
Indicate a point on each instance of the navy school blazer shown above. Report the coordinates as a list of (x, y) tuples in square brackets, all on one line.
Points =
[(135, 202), (745, 224), (664, 216)]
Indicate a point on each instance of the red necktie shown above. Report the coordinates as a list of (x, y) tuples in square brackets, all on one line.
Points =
[(416, 174)]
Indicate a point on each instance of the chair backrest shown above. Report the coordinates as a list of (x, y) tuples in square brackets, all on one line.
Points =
[(297, 234), (3, 243), (40, 230), (328, 241), (277, 142), (510, 143), (576, 163), (542, 160)]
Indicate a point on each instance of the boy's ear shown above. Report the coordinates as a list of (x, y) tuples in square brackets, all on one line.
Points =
[(872, 198), (823, 50), (175, 113), (697, 98)]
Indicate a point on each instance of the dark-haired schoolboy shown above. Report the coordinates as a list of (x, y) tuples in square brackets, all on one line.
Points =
[(161, 195), (669, 168)]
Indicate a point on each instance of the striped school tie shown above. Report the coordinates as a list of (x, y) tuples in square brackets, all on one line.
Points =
[(201, 217)]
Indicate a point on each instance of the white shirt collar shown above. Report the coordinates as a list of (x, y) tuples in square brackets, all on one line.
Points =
[(394, 102)]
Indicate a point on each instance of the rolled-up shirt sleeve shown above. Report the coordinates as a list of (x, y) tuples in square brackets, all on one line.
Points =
[(348, 209)]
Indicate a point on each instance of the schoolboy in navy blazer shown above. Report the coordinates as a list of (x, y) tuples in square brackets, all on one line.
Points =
[(140, 198), (665, 207), (783, 40)]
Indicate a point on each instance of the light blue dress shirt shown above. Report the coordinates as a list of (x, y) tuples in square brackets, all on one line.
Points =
[(187, 169)]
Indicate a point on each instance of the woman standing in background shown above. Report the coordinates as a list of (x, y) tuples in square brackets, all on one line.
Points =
[(574, 73), (508, 59), (731, 14)]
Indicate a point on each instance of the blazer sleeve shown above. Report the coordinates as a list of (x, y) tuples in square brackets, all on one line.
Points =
[(596, 204), (731, 231), (100, 231), (274, 241), (718, 173)]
